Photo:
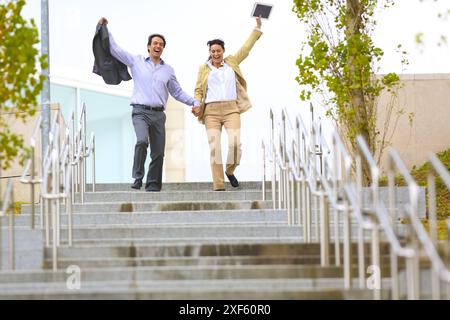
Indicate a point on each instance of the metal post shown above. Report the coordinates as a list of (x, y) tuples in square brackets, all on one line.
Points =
[(435, 283), (299, 204), (1, 239), (317, 213), (394, 276), (82, 176), (283, 155), (308, 215), (347, 248), (69, 205), (12, 247), (325, 231), (47, 209), (280, 188), (293, 193), (45, 94), (304, 211), (336, 162), (376, 259), (84, 150), (53, 206), (274, 165), (93, 163), (361, 262), (33, 167), (263, 175)]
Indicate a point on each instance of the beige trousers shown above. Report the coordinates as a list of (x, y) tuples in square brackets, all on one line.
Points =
[(218, 114)]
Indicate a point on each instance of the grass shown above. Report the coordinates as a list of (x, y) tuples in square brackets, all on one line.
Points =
[(420, 176), (442, 193)]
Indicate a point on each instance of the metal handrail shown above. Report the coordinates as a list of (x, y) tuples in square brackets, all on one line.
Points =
[(429, 243), (395, 164), (8, 207), (31, 162), (332, 183), (56, 178)]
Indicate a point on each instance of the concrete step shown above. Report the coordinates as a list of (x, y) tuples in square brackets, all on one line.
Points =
[(186, 195), (167, 217), (195, 272), (176, 240), (251, 294), (158, 232), (136, 206), (191, 232), (299, 261), (324, 288), (196, 250), (29, 248), (180, 186)]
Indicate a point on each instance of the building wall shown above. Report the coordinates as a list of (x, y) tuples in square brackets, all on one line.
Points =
[(427, 97)]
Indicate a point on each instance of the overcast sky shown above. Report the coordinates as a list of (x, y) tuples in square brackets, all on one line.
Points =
[(270, 69)]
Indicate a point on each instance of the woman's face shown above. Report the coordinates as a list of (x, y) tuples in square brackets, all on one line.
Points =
[(216, 54)]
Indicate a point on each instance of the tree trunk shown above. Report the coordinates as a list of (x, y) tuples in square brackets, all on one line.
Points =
[(354, 25)]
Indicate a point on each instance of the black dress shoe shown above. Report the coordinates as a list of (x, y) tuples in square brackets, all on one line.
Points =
[(137, 184), (152, 190), (234, 182)]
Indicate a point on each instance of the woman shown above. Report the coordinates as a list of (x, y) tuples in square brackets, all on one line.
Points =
[(222, 92)]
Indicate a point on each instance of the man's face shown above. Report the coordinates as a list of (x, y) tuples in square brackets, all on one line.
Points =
[(156, 47)]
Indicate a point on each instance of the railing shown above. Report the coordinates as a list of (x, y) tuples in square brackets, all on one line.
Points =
[(312, 181), (59, 163), (7, 209)]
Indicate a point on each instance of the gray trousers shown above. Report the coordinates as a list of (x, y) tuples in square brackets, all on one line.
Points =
[(150, 128)]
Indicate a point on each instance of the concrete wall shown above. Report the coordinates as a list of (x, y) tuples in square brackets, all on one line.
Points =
[(427, 96), (174, 161)]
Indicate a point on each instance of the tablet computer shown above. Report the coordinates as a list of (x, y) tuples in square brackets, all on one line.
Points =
[(262, 9)]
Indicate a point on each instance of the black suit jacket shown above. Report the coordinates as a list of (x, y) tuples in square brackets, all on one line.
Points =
[(112, 70)]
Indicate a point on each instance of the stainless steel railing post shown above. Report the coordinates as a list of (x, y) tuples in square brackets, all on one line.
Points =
[(264, 171)]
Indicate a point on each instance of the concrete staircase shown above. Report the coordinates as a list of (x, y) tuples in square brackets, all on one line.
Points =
[(185, 242)]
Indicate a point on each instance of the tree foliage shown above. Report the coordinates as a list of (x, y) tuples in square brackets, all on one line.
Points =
[(20, 82), (341, 65)]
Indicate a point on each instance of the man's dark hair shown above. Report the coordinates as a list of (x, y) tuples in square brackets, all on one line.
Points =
[(216, 41), (150, 37)]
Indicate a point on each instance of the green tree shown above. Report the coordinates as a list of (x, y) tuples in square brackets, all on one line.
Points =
[(20, 82), (341, 67)]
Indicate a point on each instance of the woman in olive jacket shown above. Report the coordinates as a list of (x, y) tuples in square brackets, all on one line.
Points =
[(222, 92)]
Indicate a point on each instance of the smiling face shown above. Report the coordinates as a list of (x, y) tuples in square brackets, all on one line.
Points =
[(216, 53), (156, 48)]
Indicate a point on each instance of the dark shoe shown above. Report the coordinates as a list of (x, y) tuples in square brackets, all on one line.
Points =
[(234, 182), (150, 189), (137, 184), (219, 189)]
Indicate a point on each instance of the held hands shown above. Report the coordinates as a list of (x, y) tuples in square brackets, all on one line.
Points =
[(102, 21), (195, 111)]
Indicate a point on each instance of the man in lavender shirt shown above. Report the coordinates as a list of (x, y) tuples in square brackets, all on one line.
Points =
[(153, 81)]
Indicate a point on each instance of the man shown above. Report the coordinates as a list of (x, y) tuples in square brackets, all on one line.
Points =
[(153, 81)]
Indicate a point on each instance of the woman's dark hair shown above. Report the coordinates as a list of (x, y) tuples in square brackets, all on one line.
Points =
[(216, 41), (150, 37)]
